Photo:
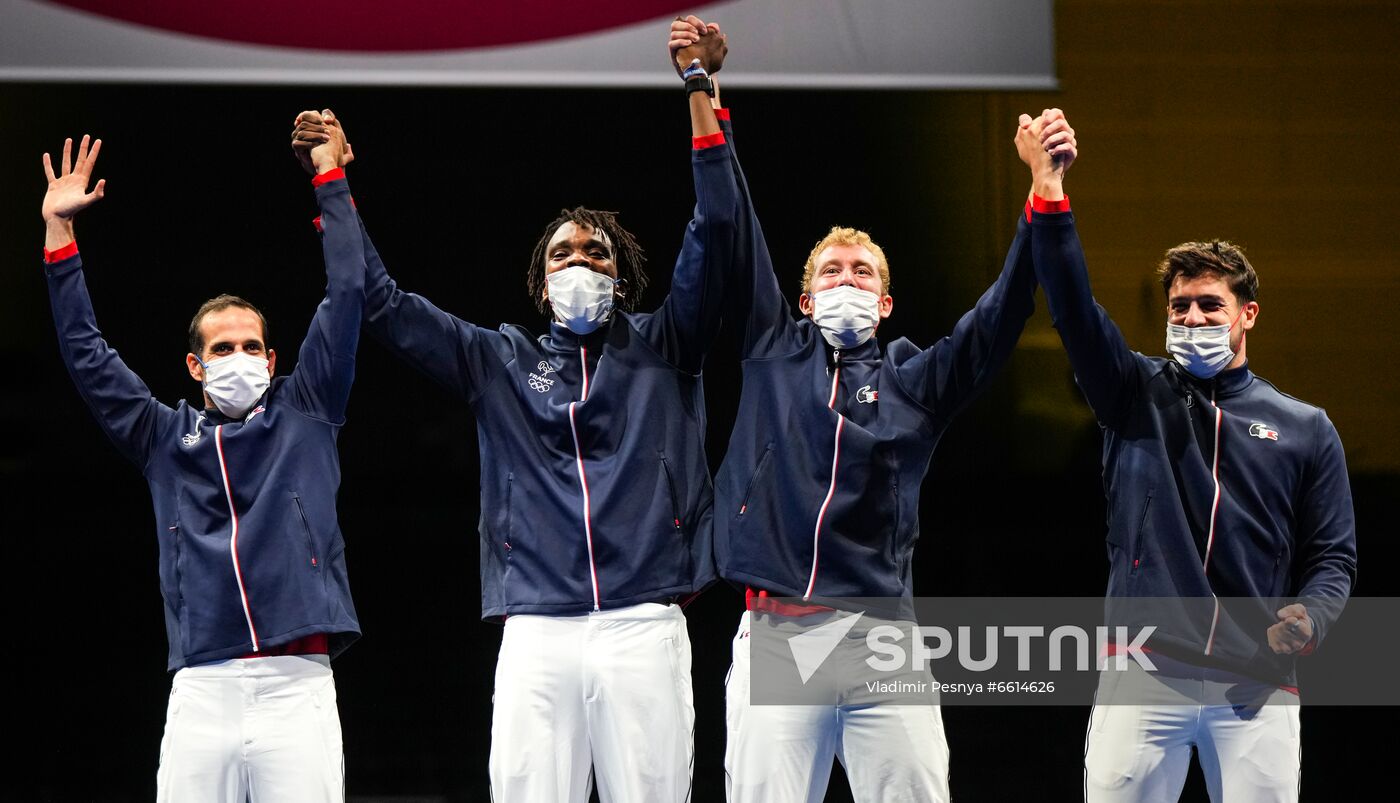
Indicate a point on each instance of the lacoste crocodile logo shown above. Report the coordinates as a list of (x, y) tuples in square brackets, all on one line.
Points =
[(1263, 431)]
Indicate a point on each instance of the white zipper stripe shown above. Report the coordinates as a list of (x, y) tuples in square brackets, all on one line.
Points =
[(233, 536), (583, 483), (1214, 620), (831, 489), (1215, 503), (583, 360), (1210, 533)]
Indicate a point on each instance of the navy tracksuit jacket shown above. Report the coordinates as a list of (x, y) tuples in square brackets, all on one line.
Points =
[(251, 555), (595, 492), (818, 495), (1224, 492)]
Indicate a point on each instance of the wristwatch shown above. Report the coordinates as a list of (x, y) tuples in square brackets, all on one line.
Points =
[(700, 83)]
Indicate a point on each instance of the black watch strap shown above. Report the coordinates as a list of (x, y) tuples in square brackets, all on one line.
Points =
[(700, 83)]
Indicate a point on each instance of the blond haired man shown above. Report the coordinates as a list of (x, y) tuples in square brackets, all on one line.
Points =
[(817, 497)]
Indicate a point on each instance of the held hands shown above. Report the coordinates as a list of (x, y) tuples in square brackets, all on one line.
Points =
[(318, 141), (693, 39), (1047, 145), (67, 194), (1293, 632)]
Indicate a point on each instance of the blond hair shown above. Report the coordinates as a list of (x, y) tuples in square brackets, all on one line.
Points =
[(841, 235)]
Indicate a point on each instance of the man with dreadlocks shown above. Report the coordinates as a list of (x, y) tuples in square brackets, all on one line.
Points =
[(595, 493)]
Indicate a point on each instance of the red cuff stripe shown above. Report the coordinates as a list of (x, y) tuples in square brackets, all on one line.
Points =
[(709, 141), (317, 224), (60, 254), (721, 114), (328, 177), (1043, 206)]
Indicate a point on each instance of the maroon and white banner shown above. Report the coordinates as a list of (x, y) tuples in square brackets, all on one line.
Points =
[(948, 44)]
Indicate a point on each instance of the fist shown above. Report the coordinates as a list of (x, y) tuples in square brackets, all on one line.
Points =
[(693, 39), (319, 135), (1293, 632)]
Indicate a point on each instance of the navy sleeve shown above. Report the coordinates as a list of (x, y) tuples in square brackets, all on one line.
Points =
[(1102, 362), (754, 299), (459, 355), (320, 384), (954, 370), (120, 401), (1325, 542), (684, 327)]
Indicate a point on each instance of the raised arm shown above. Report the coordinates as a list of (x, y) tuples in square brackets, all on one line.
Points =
[(320, 385), (1102, 362), (118, 398), (953, 371), (753, 298), (459, 355), (685, 325)]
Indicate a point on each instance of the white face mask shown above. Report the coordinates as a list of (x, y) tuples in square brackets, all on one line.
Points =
[(1203, 351), (581, 297), (847, 315), (234, 383)]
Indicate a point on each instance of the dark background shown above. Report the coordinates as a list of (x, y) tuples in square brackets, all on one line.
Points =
[(1268, 125)]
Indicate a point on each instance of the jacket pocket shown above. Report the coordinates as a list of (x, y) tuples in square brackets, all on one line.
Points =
[(306, 530), (1280, 574), (671, 488), (1140, 536), (506, 533), (177, 543), (753, 481), (895, 559)]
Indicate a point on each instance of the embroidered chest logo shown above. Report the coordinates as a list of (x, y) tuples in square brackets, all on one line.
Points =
[(867, 396), (540, 381), (253, 412), (191, 438), (1263, 431)]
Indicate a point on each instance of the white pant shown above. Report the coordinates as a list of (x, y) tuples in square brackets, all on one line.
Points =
[(252, 729), (606, 691), (1140, 750), (783, 753)]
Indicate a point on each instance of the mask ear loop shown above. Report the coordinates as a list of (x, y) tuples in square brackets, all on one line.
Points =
[(1237, 319)]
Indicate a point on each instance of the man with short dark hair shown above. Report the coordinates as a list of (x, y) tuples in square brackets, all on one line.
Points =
[(596, 500), (252, 567), (1228, 503)]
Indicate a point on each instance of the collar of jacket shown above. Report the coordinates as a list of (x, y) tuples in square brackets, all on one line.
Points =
[(1225, 383), (865, 352), (563, 338), (215, 417)]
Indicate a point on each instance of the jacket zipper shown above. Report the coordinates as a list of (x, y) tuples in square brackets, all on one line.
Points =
[(233, 536), (748, 492), (831, 489), (671, 486), (583, 481), (306, 529), (1210, 533)]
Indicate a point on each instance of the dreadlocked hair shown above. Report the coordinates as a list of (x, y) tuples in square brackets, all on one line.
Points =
[(627, 256)]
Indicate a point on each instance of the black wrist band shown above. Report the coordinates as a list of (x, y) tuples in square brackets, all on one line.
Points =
[(700, 83)]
